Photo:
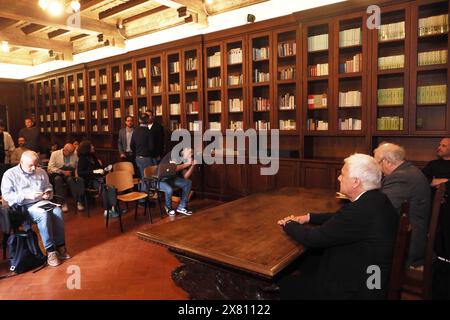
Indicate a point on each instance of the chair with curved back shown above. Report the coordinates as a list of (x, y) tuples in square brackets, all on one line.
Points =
[(122, 181), (419, 282), (126, 166), (153, 185), (400, 255)]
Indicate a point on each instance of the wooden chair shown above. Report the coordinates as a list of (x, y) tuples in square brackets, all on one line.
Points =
[(419, 282), (401, 249), (123, 181), (126, 166), (153, 185)]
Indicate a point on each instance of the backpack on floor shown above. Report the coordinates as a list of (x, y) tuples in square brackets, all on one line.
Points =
[(24, 252)]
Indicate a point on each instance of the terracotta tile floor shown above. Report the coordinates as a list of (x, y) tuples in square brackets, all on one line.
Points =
[(112, 265)]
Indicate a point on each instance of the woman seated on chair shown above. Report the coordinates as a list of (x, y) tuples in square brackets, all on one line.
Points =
[(89, 167)]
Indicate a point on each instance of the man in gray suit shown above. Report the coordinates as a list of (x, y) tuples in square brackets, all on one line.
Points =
[(125, 139), (405, 182)]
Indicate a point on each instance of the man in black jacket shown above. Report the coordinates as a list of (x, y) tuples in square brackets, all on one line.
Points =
[(156, 135), (403, 181), (357, 240)]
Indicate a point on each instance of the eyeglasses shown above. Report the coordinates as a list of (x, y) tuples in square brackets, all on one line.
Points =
[(380, 161)]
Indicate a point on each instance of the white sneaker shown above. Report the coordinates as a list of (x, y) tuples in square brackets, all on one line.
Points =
[(64, 207), (80, 207)]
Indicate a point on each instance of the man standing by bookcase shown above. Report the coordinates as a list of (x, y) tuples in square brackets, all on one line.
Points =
[(31, 135)]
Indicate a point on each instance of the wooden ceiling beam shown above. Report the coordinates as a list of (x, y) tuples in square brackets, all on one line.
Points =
[(145, 14), (192, 10), (6, 23), (21, 10), (86, 4), (57, 33), (17, 39), (78, 37), (120, 8), (32, 28)]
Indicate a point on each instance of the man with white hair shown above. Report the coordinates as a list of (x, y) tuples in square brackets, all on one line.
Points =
[(26, 184), (405, 182), (356, 240)]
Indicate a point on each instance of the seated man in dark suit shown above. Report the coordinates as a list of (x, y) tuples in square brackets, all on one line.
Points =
[(356, 240), (405, 182), (437, 172)]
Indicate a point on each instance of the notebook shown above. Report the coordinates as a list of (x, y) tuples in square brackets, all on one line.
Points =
[(166, 170)]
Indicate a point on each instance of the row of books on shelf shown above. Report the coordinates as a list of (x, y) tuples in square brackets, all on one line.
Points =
[(104, 127), (128, 74), (156, 89), (191, 85), (390, 97), (174, 87), (214, 60), (433, 25), (214, 82), (174, 67), (129, 92), (286, 73), (191, 64), (318, 70), (289, 124), (215, 106), (116, 76), (234, 56), (261, 104), (392, 31), (393, 123), (391, 62), (317, 101), (156, 70), (174, 125), (174, 109), (192, 107), (214, 125), (432, 57), (349, 124), (235, 80), (436, 94), (117, 113), (316, 125), (350, 37), (317, 43), (260, 76), (102, 79), (236, 105), (141, 90), (92, 82), (349, 99), (261, 53), (353, 65), (142, 72), (236, 125), (116, 94), (262, 125), (287, 49), (193, 126), (286, 102)]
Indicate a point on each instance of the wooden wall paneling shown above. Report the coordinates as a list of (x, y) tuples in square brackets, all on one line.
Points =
[(12, 94), (213, 175), (316, 175), (288, 174), (235, 181), (258, 182)]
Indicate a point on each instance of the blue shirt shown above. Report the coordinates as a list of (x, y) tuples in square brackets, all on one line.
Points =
[(16, 183)]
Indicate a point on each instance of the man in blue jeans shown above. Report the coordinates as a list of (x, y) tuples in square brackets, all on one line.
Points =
[(25, 185), (180, 180)]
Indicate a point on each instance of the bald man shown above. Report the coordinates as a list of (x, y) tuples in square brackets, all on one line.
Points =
[(61, 168), (438, 171), (26, 184), (403, 181)]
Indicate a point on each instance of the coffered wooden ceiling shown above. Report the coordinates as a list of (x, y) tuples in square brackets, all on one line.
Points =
[(35, 37)]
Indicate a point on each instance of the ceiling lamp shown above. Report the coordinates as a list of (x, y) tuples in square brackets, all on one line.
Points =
[(75, 5), (5, 46), (57, 7)]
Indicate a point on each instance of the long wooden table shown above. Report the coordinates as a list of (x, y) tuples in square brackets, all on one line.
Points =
[(237, 249)]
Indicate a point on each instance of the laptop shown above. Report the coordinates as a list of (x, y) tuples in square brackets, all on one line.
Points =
[(166, 170)]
